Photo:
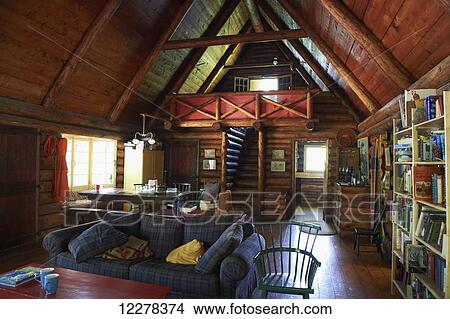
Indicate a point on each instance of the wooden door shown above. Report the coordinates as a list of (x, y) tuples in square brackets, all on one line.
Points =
[(183, 162), (18, 184)]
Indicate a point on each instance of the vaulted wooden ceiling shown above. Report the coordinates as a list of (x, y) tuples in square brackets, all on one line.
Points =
[(119, 69)]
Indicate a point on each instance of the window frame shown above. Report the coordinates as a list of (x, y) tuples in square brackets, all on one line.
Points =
[(305, 158), (241, 82), (91, 141)]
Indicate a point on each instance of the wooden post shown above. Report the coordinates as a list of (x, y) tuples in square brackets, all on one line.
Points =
[(261, 162), (309, 106), (223, 154), (218, 108), (258, 106)]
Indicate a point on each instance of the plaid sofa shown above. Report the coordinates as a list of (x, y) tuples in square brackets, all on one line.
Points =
[(235, 279)]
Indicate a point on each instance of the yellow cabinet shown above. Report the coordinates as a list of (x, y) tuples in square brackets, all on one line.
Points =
[(142, 165)]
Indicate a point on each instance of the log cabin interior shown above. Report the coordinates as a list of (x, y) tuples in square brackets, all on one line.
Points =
[(289, 119)]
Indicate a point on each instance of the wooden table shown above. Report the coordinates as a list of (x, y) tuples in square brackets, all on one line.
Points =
[(119, 194), (81, 285)]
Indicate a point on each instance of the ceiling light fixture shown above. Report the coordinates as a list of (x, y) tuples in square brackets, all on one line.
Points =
[(143, 137)]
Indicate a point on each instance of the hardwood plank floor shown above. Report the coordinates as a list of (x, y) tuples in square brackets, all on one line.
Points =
[(342, 274)]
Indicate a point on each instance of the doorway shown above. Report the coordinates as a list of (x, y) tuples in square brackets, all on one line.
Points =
[(18, 184), (183, 162), (310, 166)]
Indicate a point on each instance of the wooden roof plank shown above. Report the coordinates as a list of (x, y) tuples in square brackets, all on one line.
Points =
[(143, 69), (359, 31), (255, 18), (76, 57)]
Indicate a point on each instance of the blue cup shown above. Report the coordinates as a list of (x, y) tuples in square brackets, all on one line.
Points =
[(51, 284), (40, 277)]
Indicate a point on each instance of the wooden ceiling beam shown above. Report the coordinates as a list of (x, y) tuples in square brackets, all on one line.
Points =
[(190, 61), (32, 113), (275, 22), (151, 57), (358, 88), (94, 29), (255, 18), (235, 39), (224, 60), (391, 67), (296, 64)]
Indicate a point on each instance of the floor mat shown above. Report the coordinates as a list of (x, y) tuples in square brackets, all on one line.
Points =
[(314, 215)]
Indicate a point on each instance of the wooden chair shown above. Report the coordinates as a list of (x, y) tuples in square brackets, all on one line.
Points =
[(373, 233), (286, 263)]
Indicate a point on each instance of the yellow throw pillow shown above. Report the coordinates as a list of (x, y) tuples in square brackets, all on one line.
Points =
[(188, 254)]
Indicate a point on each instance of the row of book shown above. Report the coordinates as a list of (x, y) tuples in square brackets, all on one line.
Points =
[(420, 291), (403, 150), (404, 179), (434, 106), (431, 227), (422, 260), (438, 188), (402, 212), (432, 147), (423, 182)]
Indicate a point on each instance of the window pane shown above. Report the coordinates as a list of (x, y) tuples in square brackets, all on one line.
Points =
[(269, 84), (81, 168), (315, 158), (80, 157), (80, 180), (81, 146)]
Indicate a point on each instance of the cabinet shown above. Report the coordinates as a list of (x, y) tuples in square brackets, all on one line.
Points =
[(142, 165)]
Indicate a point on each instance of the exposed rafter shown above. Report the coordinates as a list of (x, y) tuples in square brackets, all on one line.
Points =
[(360, 90), (255, 18), (143, 69), (296, 64), (358, 30), (188, 64), (235, 39), (276, 23), (100, 21), (226, 59)]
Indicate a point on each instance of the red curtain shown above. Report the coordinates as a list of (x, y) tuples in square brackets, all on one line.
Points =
[(61, 182)]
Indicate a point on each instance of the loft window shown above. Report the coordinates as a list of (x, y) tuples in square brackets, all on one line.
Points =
[(315, 157), (240, 84), (285, 82), (264, 84), (90, 162)]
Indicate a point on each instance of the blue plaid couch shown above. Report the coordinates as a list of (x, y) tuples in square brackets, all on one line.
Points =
[(235, 278)]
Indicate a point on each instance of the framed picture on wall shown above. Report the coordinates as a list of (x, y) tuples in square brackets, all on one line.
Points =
[(278, 154), (278, 166), (209, 165), (363, 146), (210, 153)]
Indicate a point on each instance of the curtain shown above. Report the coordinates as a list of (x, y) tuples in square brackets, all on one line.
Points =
[(61, 182)]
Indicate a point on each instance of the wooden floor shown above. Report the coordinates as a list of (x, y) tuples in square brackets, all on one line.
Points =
[(342, 274)]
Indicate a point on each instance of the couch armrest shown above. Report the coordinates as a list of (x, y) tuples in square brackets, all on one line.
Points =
[(56, 241), (237, 266)]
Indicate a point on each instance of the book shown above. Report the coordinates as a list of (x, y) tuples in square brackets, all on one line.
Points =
[(18, 277), (423, 181), (416, 257)]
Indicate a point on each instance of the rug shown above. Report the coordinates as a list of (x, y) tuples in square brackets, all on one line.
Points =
[(314, 216)]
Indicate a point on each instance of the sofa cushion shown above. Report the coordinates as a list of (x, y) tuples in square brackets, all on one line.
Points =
[(127, 223), (225, 245), (96, 265), (95, 240), (163, 234), (180, 278), (187, 254), (207, 229)]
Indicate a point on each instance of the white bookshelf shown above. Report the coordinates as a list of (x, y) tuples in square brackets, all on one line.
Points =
[(441, 123)]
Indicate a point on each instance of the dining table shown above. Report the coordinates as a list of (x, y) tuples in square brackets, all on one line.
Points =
[(156, 199)]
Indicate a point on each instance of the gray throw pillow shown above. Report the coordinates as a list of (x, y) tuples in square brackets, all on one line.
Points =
[(224, 246), (96, 240)]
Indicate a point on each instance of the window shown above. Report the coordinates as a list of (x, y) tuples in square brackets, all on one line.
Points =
[(90, 162), (315, 157), (285, 82), (240, 84), (264, 84)]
